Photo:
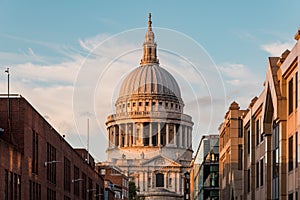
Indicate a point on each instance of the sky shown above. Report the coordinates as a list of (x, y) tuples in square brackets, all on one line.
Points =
[(68, 59)]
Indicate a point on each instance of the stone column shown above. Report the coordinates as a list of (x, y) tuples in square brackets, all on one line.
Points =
[(126, 135), (178, 182), (134, 133), (109, 137), (167, 134), (180, 136), (186, 136), (120, 135), (142, 134), (158, 134), (150, 135), (175, 136), (130, 135), (145, 174), (166, 180), (114, 137), (191, 137)]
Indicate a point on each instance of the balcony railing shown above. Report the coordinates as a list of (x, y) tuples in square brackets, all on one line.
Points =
[(151, 114)]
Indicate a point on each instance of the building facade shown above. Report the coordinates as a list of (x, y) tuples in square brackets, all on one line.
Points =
[(116, 180), (205, 169), (37, 163), (267, 155), (150, 138)]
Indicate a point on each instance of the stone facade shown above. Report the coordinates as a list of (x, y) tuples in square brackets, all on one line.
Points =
[(150, 138), (264, 156)]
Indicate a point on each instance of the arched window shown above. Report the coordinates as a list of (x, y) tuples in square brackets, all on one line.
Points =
[(159, 180)]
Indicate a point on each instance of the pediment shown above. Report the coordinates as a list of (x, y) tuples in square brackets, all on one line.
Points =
[(161, 161)]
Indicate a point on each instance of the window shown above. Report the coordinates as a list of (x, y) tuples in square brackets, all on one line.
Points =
[(275, 162), (153, 103), (240, 157), (249, 141), (296, 145), (147, 103), (296, 90), (76, 183), (248, 180), (97, 192), (257, 131), (102, 171), (240, 128), (67, 198), (34, 190), (67, 175), (35, 152), (133, 104), (51, 194), (214, 179), (290, 96), (140, 103), (51, 166), (290, 153), (291, 196), (261, 172), (90, 189), (83, 187), (12, 186), (257, 174), (6, 185), (159, 180)]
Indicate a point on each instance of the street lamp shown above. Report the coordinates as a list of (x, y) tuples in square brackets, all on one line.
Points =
[(50, 162), (75, 180)]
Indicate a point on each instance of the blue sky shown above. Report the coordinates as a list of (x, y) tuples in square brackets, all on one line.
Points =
[(45, 42)]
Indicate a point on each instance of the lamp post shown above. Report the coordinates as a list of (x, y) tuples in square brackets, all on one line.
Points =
[(8, 102), (50, 162), (75, 180)]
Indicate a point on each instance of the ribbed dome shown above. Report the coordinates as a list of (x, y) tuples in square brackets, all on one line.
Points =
[(149, 79)]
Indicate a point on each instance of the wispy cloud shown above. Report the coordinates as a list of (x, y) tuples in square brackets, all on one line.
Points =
[(241, 82), (277, 48), (84, 87)]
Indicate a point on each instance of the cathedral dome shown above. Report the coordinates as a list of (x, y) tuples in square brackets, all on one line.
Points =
[(149, 79)]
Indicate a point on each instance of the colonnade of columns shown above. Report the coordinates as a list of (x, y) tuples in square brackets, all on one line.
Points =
[(171, 180), (150, 134)]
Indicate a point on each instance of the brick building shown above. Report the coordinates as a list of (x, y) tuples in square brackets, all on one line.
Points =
[(115, 179), (37, 163), (261, 143)]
